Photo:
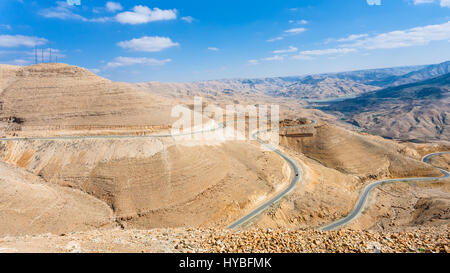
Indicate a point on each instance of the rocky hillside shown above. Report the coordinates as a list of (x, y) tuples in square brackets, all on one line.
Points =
[(60, 94), (424, 240), (310, 87), (425, 73), (412, 111), (140, 182)]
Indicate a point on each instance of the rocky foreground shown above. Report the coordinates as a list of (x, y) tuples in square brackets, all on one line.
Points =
[(435, 240)]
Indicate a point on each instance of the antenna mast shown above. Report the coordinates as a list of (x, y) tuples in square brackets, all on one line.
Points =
[(35, 55)]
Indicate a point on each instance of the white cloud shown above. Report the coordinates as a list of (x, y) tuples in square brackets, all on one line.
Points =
[(148, 44), (267, 59), (20, 40), (374, 2), (295, 30), (302, 57), (443, 3), (328, 51), (129, 61), (289, 50), (395, 39), (64, 11), (274, 58), (308, 54), (405, 38), (418, 2), (113, 6), (292, 31), (142, 14), (213, 48), (352, 37), (188, 19), (19, 62), (299, 22), (275, 39), (61, 11)]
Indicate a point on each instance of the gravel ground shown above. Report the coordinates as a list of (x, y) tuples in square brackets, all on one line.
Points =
[(224, 241), (332, 241)]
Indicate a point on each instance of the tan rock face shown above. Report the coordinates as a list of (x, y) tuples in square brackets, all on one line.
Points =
[(368, 157), (59, 94), (157, 182), (441, 161), (31, 206), (340, 163), (149, 182)]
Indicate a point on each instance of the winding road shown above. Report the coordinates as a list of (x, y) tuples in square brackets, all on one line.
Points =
[(294, 181), (359, 207), (296, 170), (280, 195)]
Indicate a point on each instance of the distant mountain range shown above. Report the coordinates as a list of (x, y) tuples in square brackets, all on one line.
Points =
[(403, 102), (424, 73), (419, 110), (321, 86)]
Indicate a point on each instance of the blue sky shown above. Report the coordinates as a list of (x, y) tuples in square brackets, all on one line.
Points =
[(193, 40)]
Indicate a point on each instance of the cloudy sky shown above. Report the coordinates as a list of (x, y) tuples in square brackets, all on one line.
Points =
[(165, 40)]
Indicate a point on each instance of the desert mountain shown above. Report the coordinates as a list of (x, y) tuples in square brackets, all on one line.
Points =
[(375, 77), (29, 205), (418, 110), (60, 94), (309, 87), (427, 72), (145, 182)]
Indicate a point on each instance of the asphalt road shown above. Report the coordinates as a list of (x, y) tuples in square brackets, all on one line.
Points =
[(359, 207), (246, 218), (294, 181)]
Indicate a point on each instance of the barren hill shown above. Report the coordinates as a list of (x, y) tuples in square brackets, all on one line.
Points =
[(428, 72), (146, 182), (308, 87), (29, 205), (60, 94), (412, 111), (339, 164)]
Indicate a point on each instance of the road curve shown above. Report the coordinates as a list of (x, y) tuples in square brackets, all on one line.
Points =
[(244, 219), (293, 183), (365, 193)]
